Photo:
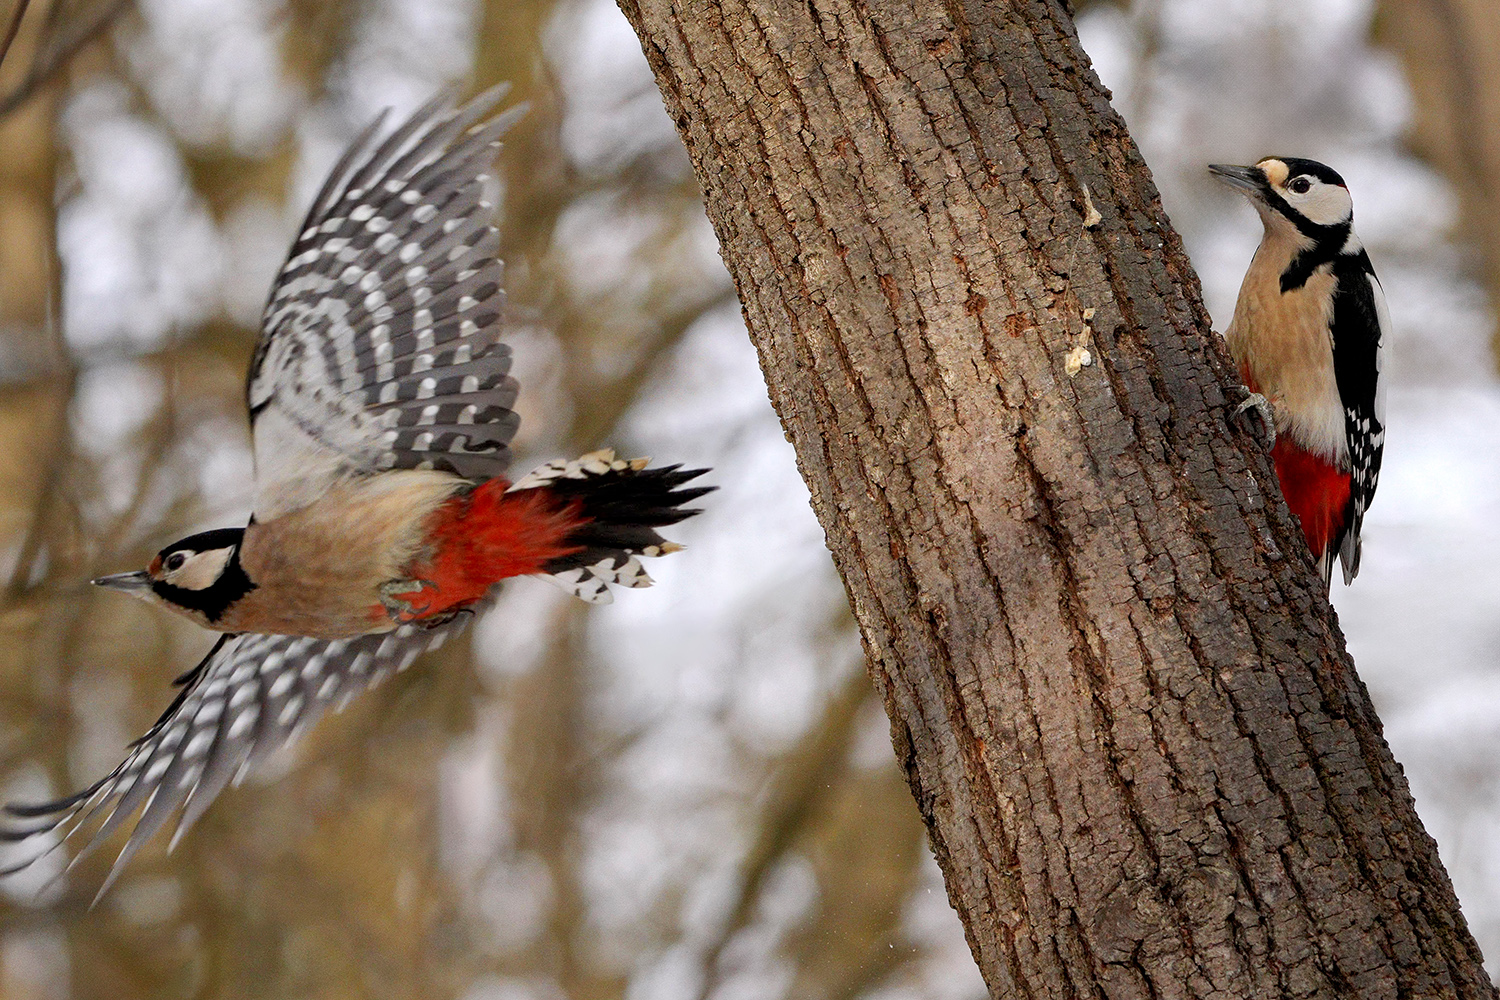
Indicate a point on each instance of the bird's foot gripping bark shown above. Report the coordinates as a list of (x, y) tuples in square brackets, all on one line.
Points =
[(1254, 414)]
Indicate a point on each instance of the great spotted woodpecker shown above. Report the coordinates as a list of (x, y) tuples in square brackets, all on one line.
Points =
[(1307, 334), (379, 398)]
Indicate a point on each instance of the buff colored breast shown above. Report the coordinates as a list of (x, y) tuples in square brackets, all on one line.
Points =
[(318, 570), (1282, 344)]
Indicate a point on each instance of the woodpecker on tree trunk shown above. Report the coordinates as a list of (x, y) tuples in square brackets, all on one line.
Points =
[(1308, 332), (379, 398)]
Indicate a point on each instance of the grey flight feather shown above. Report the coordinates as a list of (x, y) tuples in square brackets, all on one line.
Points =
[(379, 350), (251, 695), (379, 345)]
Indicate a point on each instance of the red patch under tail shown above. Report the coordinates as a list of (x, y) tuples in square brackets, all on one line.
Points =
[(1318, 493), (481, 537), (1316, 490), (583, 523)]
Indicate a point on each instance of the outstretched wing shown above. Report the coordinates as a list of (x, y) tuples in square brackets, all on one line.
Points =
[(379, 345), (250, 695)]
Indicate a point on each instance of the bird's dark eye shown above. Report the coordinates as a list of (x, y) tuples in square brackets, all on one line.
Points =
[(1299, 185), (174, 561)]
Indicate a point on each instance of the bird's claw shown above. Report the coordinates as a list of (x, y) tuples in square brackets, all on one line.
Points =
[(400, 598), (1254, 414)]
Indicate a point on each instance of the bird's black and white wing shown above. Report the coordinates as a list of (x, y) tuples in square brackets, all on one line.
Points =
[(379, 346), (1361, 324), (379, 350), (249, 696)]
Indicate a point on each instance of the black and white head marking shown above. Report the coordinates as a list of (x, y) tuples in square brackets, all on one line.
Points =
[(1310, 194), (1304, 200), (202, 572)]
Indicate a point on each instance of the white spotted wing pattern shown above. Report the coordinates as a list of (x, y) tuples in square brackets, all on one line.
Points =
[(379, 350), (249, 696), (380, 343)]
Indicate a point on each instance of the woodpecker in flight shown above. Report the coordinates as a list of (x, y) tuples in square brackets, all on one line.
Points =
[(379, 398), (1307, 334)]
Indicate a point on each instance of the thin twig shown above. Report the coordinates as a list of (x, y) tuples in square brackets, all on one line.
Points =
[(804, 777), (61, 452), (13, 29), (610, 401), (56, 56)]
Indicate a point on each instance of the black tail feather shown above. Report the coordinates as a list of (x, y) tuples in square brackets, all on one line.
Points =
[(624, 503), (624, 508)]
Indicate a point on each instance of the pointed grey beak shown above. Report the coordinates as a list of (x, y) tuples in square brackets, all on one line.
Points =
[(137, 583), (1251, 179)]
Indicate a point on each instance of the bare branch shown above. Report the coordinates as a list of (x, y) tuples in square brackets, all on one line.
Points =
[(13, 29), (52, 57), (802, 780), (609, 401)]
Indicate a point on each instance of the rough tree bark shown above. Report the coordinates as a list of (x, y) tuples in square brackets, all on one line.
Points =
[(1124, 708)]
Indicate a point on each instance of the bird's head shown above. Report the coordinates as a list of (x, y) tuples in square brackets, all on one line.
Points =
[(1292, 193), (199, 576)]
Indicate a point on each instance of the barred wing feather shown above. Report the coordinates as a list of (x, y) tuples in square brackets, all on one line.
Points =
[(379, 346), (379, 350), (249, 696)]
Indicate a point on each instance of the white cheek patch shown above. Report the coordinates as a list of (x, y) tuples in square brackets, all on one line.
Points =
[(1324, 205), (200, 571)]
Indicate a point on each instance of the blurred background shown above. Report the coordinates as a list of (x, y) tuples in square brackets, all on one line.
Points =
[(688, 794)]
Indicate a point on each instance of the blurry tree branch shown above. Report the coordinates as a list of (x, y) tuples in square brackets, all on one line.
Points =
[(64, 37), (1144, 758), (33, 539), (53, 423), (609, 399), (804, 774), (1451, 54), (13, 28)]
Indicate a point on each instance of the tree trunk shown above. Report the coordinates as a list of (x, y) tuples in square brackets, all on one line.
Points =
[(1123, 705)]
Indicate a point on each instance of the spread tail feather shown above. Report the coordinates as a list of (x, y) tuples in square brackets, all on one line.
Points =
[(621, 504)]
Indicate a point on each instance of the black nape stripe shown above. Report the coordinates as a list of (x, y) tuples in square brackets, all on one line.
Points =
[(1336, 233), (232, 584)]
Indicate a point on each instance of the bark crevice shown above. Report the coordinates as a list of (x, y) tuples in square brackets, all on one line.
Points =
[(1120, 697)]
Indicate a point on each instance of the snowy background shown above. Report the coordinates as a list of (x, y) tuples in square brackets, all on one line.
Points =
[(689, 793), (1236, 81)]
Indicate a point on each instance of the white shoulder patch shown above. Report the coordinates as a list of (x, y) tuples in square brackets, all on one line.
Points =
[(1383, 316), (292, 468)]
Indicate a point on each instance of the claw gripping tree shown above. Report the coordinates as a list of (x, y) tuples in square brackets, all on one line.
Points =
[(1123, 705)]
